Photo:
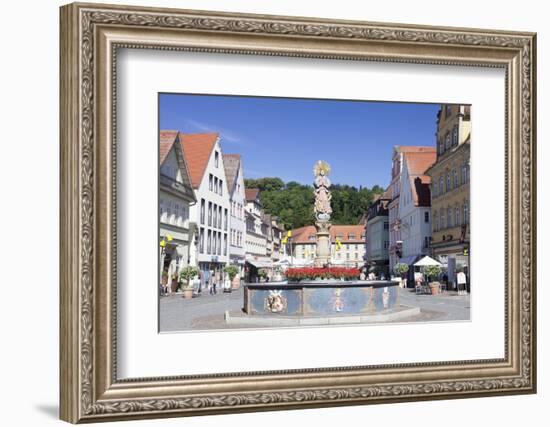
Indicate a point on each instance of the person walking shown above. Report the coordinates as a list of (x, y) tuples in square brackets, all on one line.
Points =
[(461, 282)]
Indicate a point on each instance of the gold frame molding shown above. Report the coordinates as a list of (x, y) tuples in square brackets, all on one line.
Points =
[(90, 37)]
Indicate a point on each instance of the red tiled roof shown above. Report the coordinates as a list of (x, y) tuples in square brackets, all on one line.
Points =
[(167, 138), (251, 194), (414, 149), (197, 148), (417, 164), (302, 234)]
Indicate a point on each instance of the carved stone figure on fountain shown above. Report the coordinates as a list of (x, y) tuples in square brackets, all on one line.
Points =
[(323, 210)]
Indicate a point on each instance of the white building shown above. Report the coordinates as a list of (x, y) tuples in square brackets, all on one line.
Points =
[(377, 237), (395, 251), (175, 198), (415, 206), (211, 212), (237, 201), (257, 254)]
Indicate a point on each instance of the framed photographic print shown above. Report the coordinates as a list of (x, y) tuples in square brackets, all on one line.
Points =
[(265, 212)]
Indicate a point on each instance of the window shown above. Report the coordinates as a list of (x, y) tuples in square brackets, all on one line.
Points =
[(220, 217), (216, 159), (449, 188), (211, 182), (225, 219), (463, 173), (436, 221), (386, 225), (225, 244), (210, 213), (427, 240), (426, 217), (162, 209), (449, 217), (442, 219), (441, 146), (465, 213), (203, 202), (435, 188), (447, 141), (201, 240), (209, 242), (441, 189), (386, 244), (351, 236), (216, 184), (455, 136), (215, 216), (447, 110), (457, 216)]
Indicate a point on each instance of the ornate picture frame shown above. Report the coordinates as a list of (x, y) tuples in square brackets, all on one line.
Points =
[(90, 37)]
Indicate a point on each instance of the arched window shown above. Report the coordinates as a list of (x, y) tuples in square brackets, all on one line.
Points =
[(457, 216), (442, 219), (449, 188), (463, 173), (466, 213), (447, 141), (441, 189), (449, 217), (441, 147), (435, 189), (455, 178)]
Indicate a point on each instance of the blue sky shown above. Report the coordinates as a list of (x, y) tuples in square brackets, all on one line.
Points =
[(284, 137)]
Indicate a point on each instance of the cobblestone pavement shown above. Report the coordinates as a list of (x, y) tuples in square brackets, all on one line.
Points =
[(207, 311)]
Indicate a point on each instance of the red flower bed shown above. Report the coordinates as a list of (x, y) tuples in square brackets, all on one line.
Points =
[(311, 273)]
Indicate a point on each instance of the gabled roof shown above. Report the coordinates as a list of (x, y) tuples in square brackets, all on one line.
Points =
[(197, 148), (252, 194), (231, 163), (170, 139), (417, 163), (167, 139)]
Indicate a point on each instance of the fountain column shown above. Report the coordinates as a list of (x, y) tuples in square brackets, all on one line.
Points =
[(323, 210)]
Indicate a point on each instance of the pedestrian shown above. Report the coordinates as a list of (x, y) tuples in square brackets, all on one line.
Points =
[(461, 282), (216, 281)]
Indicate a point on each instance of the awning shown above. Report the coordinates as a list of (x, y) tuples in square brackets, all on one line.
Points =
[(260, 264), (427, 261)]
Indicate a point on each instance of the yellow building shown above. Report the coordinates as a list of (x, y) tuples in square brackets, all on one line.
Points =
[(450, 192)]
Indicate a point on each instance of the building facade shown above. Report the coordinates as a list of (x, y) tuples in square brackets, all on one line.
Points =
[(176, 196), (237, 201), (378, 233), (258, 256), (450, 176), (414, 206), (210, 251), (347, 245), (395, 231)]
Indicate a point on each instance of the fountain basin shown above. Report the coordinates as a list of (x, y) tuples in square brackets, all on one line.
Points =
[(320, 298)]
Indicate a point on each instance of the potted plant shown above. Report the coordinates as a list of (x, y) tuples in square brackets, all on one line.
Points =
[(401, 269), (262, 274), (186, 274), (231, 271), (431, 271)]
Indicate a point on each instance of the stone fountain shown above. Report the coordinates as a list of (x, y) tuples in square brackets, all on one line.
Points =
[(320, 301)]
